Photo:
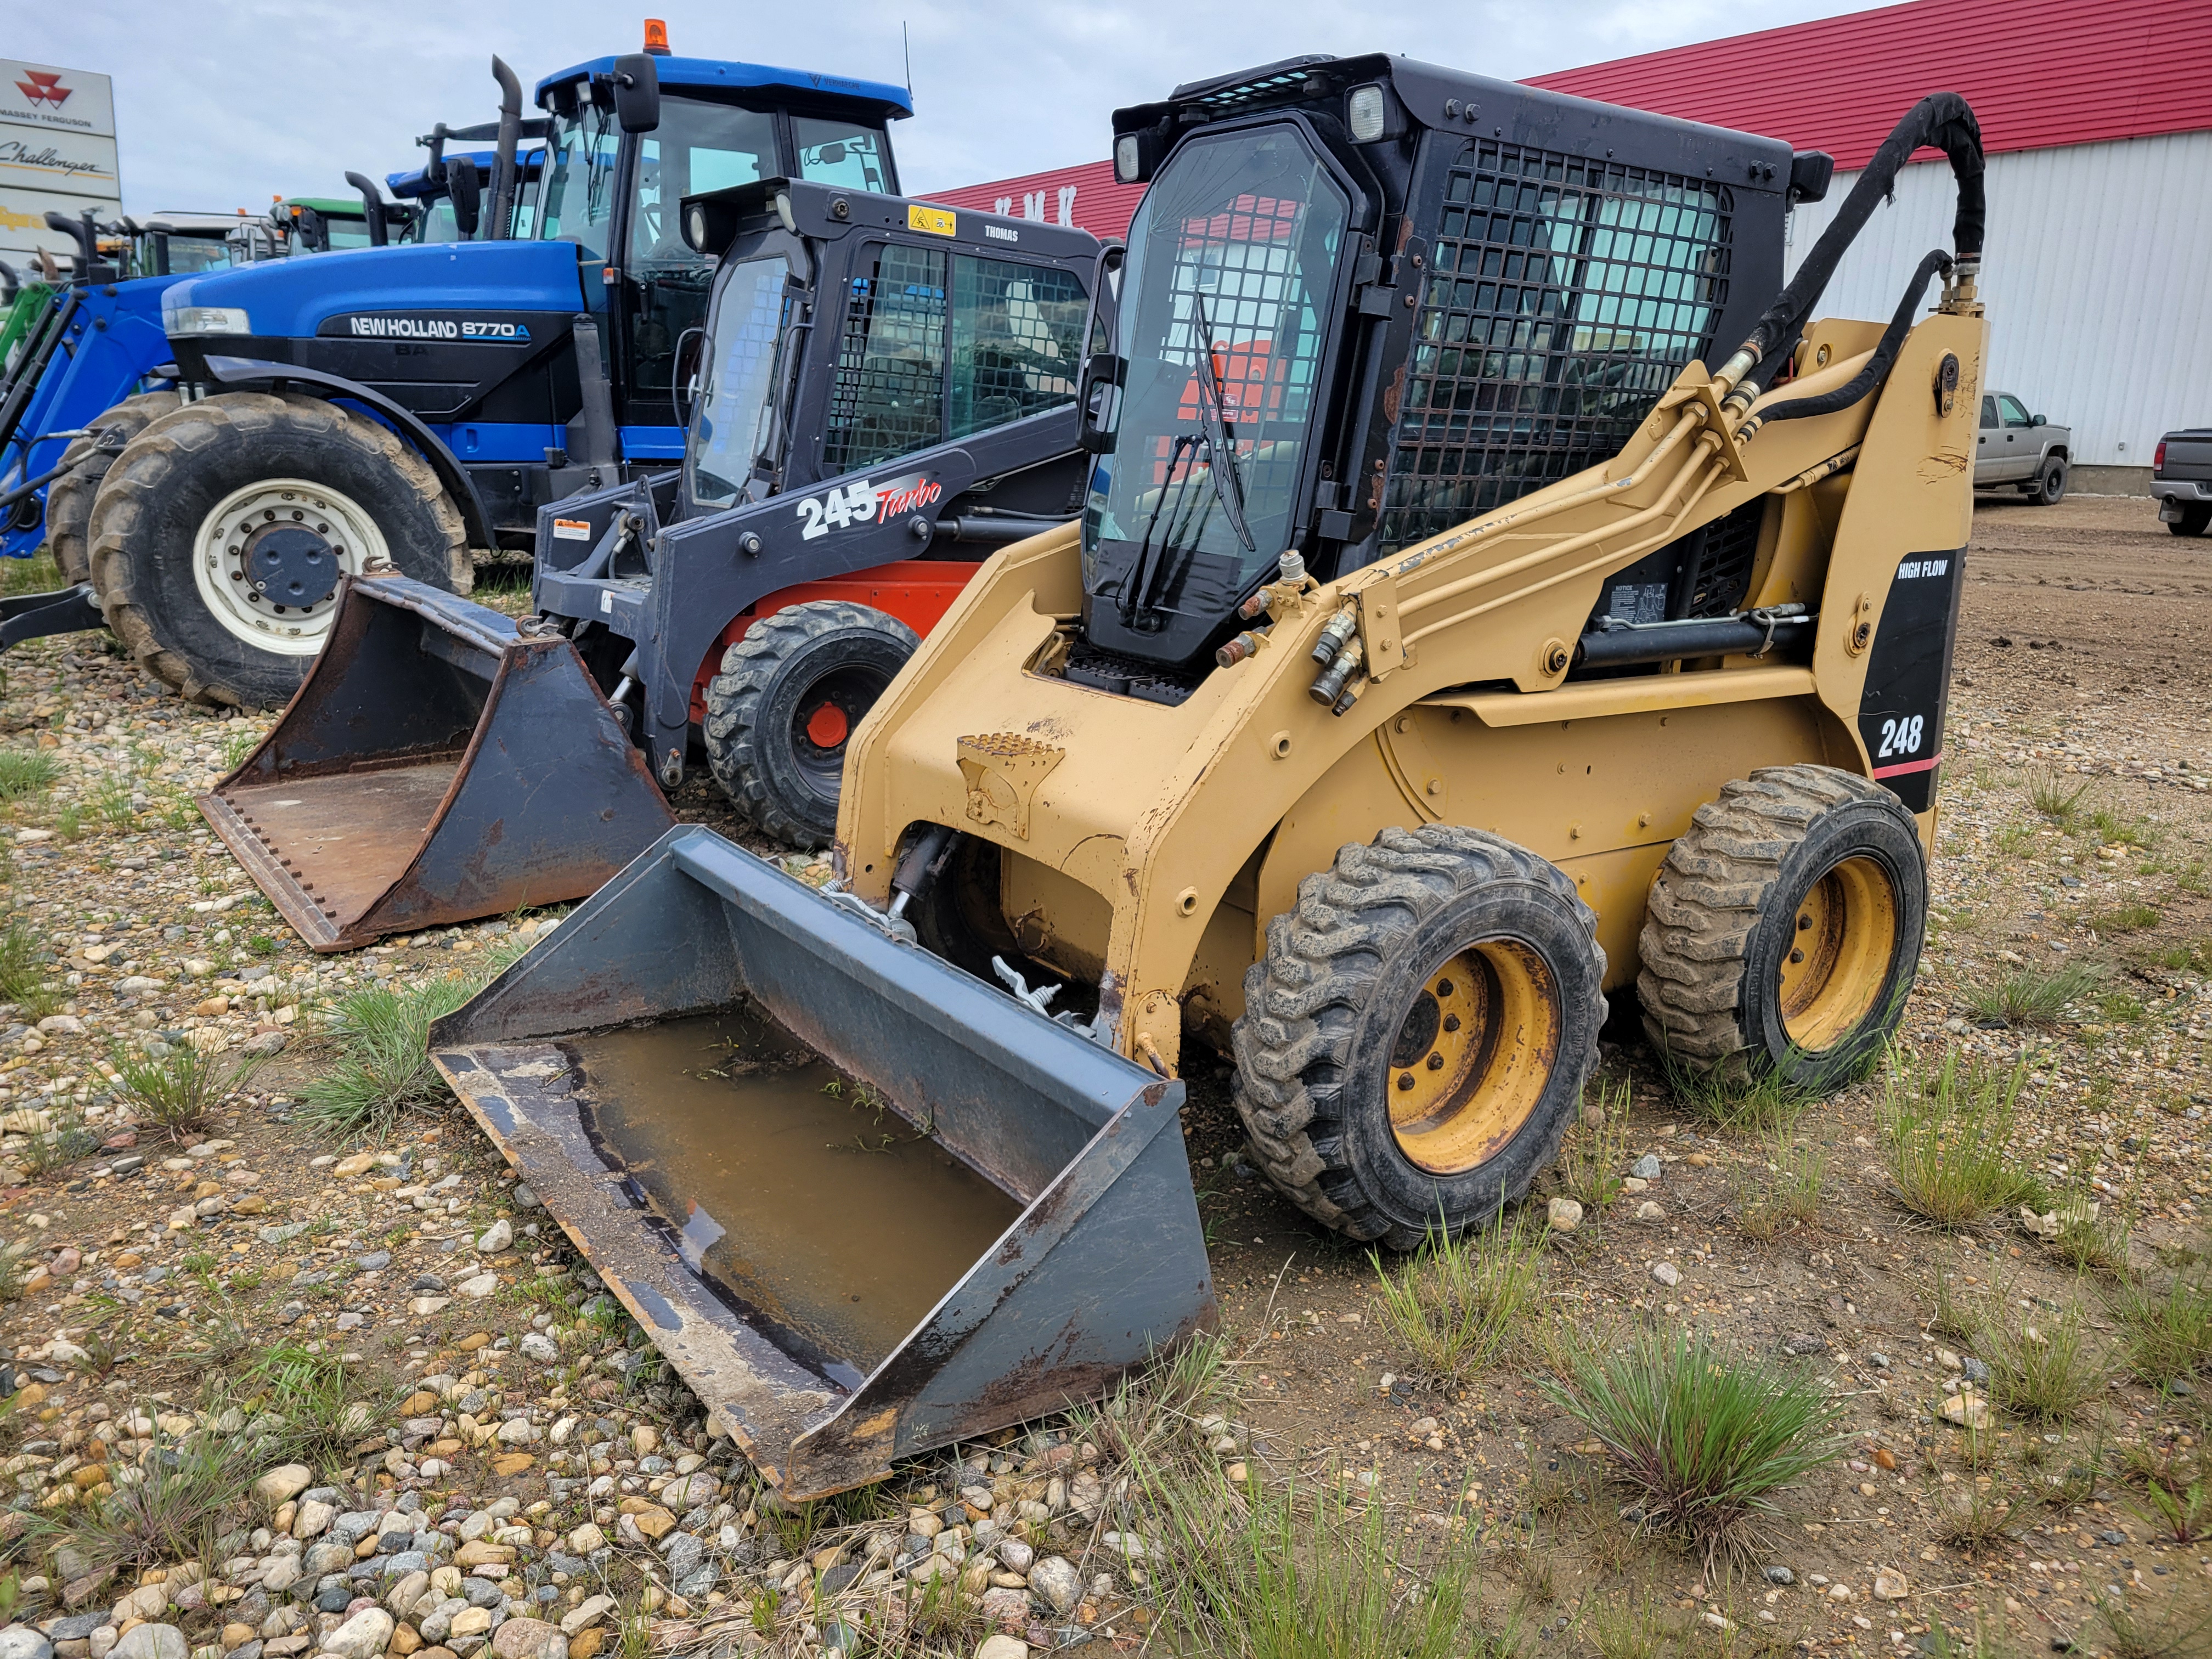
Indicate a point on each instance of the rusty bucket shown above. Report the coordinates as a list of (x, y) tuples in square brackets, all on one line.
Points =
[(777, 1132), (437, 765)]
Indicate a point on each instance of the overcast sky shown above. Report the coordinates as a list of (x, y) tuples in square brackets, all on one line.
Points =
[(224, 103)]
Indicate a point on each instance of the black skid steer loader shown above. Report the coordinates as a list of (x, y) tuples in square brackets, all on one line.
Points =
[(1498, 592), (886, 393)]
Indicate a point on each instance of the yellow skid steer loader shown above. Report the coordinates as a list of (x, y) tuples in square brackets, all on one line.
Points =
[(1443, 650)]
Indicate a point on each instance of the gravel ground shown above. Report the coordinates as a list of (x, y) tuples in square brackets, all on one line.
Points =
[(519, 1472)]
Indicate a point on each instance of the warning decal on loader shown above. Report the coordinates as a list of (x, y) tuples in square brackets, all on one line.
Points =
[(1908, 681)]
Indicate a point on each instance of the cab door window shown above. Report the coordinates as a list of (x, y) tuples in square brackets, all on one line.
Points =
[(1989, 414), (698, 147), (2009, 406)]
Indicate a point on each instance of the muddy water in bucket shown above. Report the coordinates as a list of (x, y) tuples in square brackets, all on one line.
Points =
[(793, 1188)]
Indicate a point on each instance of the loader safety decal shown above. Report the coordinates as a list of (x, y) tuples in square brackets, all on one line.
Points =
[(1908, 679), (865, 502)]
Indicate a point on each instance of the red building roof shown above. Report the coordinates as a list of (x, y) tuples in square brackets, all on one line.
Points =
[(2039, 74), (1084, 195)]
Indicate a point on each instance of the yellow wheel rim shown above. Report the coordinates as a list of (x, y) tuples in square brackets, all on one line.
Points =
[(1839, 953), (1471, 1056)]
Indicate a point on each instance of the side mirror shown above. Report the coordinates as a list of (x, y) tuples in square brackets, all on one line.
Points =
[(637, 94), (1100, 399), (467, 192), (2036, 420)]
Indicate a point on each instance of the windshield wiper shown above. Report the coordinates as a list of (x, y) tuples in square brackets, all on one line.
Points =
[(1228, 482), (1136, 591)]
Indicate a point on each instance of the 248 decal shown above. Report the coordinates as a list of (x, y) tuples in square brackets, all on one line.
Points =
[(1901, 737)]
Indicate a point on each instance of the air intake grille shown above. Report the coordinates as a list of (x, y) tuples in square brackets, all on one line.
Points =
[(1563, 296)]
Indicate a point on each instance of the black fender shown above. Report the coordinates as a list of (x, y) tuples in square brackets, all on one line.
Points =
[(253, 373)]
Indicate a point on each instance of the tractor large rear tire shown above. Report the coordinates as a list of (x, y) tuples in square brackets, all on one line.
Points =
[(70, 498), (1416, 1037), (781, 712), (1783, 930), (219, 534)]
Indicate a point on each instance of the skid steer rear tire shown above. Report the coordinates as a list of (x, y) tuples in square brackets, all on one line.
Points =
[(779, 714), (68, 499), (1377, 1110), (359, 495), (1802, 860)]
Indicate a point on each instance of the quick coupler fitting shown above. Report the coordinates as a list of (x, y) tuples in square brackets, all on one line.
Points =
[(1343, 704), (1246, 644), (1341, 627), (1330, 686)]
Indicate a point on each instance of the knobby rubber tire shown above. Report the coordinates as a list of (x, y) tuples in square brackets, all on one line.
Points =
[(156, 496), (70, 498), (1321, 1011), (1722, 910), (752, 703)]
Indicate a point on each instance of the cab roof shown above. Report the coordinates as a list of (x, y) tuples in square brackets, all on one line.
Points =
[(417, 181), (877, 97)]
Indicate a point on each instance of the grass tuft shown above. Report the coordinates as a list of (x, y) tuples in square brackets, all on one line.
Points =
[(2128, 919), (2046, 1367), (1972, 1518), (383, 1068), (169, 1513), (1706, 1441), (25, 968), (2138, 1633), (1596, 1150), (1454, 1303), (1731, 1100), (177, 1094), (1786, 1192), (27, 772), (2054, 796), (2168, 1334), (2032, 997), (1947, 1131)]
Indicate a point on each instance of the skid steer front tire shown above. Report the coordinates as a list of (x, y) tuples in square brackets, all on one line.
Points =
[(219, 534), (68, 499), (1783, 929), (1416, 1036), (781, 712)]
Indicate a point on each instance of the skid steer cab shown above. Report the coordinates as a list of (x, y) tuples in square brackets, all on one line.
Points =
[(887, 394), (413, 405)]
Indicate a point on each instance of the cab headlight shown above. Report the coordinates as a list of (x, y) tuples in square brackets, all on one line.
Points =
[(1366, 112), (695, 228), (1127, 159), (207, 319)]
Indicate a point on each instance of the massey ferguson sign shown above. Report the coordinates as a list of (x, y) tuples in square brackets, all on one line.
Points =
[(57, 153), (56, 100)]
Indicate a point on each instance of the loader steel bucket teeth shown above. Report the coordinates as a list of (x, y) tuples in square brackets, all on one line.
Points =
[(438, 765), (1102, 1265)]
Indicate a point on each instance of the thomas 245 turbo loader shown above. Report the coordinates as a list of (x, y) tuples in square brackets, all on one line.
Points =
[(1443, 648)]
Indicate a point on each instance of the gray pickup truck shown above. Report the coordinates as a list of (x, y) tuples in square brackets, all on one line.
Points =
[(2019, 450), (2181, 479)]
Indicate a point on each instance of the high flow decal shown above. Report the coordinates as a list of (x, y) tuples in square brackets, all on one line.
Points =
[(1908, 681), (865, 502)]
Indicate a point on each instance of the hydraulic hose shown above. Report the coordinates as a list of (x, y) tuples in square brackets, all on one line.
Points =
[(1942, 121), (501, 226), (1877, 367)]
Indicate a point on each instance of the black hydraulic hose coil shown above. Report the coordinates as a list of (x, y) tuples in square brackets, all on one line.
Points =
[(1943, 121), (1878, 365)]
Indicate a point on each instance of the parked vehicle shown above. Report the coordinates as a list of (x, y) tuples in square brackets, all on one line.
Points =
[(2022, 450), (2181, 479)]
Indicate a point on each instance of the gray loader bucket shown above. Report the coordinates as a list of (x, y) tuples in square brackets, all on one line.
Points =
[(864, 1203), (436, 765)]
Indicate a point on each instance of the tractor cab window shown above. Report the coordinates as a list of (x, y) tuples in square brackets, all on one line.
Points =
[(700, 146), (842, 153), (733, 423), (1225, 307), (577, 195)]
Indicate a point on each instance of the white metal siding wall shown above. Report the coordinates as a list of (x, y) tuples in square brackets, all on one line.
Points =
[(2097, 275)]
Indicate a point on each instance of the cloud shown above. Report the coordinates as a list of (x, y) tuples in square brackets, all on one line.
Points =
[(224, 105)]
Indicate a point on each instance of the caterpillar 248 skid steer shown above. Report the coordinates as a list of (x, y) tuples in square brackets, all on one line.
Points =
[(1444, 648)]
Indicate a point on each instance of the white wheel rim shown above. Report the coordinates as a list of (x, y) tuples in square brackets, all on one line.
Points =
[(234, 579)]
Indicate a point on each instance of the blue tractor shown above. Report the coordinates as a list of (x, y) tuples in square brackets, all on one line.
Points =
[(410, 407)]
